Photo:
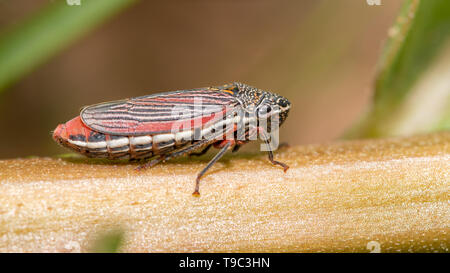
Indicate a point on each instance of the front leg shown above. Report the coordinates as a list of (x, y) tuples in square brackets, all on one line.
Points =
[(274, 162), (270, 152)]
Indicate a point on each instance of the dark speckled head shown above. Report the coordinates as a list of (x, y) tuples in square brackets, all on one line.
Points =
[(265, 104)]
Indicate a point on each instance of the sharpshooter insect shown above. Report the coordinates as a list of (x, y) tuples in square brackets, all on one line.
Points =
[(167, 125)]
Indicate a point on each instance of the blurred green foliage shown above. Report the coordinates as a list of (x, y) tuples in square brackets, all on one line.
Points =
[(29, 44), (420, 33), (108, 242)]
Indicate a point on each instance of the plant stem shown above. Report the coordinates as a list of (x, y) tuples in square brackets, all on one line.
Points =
[(335, 197)]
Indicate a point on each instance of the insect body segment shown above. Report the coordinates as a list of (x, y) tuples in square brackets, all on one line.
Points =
[(75, 135), (167, 125)]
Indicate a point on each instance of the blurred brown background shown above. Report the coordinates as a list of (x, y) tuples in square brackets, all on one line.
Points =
[(321, 54)]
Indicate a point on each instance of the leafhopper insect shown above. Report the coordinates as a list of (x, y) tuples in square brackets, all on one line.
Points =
[(167, 125)]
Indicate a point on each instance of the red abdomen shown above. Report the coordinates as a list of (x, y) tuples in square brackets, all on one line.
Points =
[(75, 135)]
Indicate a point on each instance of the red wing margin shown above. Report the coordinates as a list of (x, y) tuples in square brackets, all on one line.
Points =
[(159, 113)]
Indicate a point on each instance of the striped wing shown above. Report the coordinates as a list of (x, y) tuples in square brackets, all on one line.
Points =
[(160, 113)]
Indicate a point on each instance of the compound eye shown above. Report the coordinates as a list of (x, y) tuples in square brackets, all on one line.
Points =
[(283, 103)]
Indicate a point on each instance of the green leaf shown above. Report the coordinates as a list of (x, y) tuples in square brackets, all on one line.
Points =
[(53, 28), (412, 88)]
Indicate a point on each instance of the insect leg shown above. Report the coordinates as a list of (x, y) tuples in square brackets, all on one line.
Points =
[(238, 144), (236, 148), (214, 160), (274, 162), (151, 163), (204, 151), (175, 153)]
